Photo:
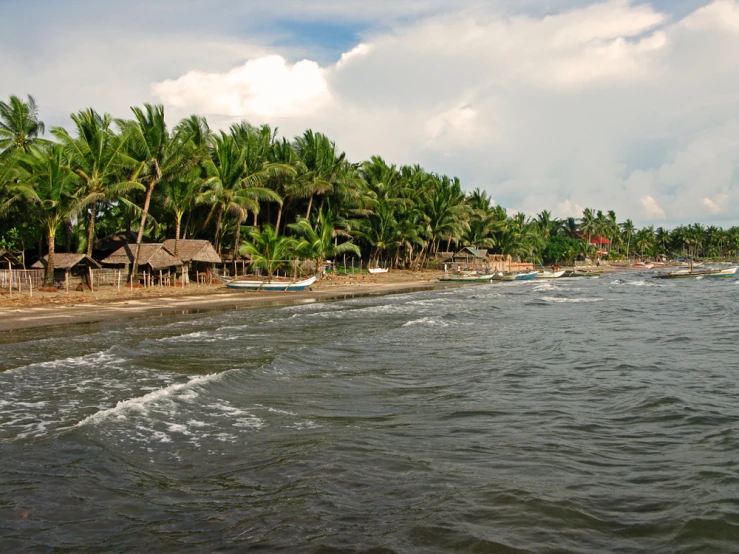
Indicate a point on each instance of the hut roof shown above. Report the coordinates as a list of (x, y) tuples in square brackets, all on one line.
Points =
[(471, 251), (66, 261), (6, 257), (153, 255), (190, 250)]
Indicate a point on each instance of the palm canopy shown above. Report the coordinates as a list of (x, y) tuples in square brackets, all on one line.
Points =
[(318, 241), (96, 157), (20, 126), (268, 249), (48, 186), (235, 178)]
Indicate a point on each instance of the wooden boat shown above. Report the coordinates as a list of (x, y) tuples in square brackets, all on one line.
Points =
[(465, 278), (274, 286), (642, 265), (577, 273), (550, 274), (526, 276), (722, 273), (377, 270), (726, 273)]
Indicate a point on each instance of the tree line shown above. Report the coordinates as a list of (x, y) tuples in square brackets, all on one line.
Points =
[(252, 193)]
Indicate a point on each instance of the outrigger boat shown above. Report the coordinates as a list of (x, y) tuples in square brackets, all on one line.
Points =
[(550, 274), (466, 278), (377, 270), (274, 286), (515, 276), (702, 273)]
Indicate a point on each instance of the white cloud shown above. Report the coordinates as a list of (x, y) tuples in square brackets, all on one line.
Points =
[(651, 208), (264, 88), (609, 105)]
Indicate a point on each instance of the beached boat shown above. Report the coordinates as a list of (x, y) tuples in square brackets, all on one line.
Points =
[(526, 276), (377, 270), (643, 265), (550, 274), (273, 286), (465, 278)]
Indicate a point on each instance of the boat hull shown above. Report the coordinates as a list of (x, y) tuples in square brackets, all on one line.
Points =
[(272, 286), (550, 274), (465, 278)]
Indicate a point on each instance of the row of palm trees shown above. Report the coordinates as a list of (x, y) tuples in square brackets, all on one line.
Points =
[(250, 192)]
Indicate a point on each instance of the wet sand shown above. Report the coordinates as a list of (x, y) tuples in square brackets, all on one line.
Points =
[(108, 304)]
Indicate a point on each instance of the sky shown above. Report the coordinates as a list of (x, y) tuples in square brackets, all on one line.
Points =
[(630, 105)]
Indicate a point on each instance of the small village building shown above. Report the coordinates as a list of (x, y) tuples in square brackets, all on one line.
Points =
[(69, 269), (471, 258), (500, 262), (197, 256), (154, 260), (6, 258)]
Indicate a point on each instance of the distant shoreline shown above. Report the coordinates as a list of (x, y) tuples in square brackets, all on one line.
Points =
[(17, 318)]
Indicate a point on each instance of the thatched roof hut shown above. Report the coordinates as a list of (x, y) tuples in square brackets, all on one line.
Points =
[(190, 250), (66, 261), (8, 258), (155, 256)]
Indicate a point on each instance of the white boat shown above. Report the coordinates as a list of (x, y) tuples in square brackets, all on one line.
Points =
[(377, 270), (279, 286), (550, 274)]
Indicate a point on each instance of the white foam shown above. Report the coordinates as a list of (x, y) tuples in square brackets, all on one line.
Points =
[(140, 404), (426, 321), (559, 299)]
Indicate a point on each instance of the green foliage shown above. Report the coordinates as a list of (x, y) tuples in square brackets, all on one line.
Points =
[(306, 199)]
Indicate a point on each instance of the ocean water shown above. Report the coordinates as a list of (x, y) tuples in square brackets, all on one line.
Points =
[(577, 415)]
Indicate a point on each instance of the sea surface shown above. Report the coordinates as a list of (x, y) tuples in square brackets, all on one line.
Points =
[(577, 415)]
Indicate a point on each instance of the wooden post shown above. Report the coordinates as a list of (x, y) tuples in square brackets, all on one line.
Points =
[(197, 277), (30, 286), (10, 280), (92, 286), (160, 278), (352, 266), (66, 280)]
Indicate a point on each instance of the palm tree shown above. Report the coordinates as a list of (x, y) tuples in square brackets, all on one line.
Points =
[(319, 240), (323, 165), (588, 225), (19, 124), (95, 155), (156, 155), (235, 187), (627, 227), (178, 196), (49, 186), (268, 249)]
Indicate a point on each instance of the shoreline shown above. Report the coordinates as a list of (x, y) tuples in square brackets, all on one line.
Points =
[(100, 310)]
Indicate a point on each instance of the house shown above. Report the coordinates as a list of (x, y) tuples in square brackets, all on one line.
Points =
[(471, 257), (198, 256), (154, 259), (500, 262), (69, 269)]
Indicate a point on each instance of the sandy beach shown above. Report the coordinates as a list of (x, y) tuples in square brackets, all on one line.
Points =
[(44, 309)]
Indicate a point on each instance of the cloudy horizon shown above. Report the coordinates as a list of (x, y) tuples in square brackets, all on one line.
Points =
[(617, 104)]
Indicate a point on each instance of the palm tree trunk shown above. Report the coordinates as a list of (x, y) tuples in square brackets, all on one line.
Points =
[(310, 205), (238, 238), (177, 235), (49, 278), (91, 228), (140, 236), (279, 217), (218, 230)]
